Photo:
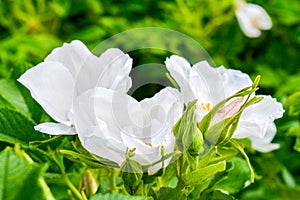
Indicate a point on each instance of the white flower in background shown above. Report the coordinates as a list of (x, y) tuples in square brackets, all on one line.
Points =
[(211, 85), (108, 122), (52, 82), (252, 18)]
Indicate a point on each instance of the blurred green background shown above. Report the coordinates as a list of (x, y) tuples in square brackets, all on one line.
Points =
[(30, 29)]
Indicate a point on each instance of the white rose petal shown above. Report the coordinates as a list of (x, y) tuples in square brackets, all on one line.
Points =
[(108, 122), (217, 84), (264, 144), (252, 18), (52, 82), (256, 118)]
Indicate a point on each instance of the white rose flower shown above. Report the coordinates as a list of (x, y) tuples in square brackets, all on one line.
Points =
[(52, 82), (211, 85), (252, 18), (108, 122)]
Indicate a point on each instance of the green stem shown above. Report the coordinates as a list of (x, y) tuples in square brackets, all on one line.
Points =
[(183, 7), (72, 187), (83, 195), (44, 141), (241, 150), (112, 180), (146, 189), (123, 189)]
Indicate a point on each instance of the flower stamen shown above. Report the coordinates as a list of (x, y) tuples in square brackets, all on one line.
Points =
[(148, 144), (255, 23), (204, 106)]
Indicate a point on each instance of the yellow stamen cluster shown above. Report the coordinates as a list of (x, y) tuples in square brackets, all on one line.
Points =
[(204, 106)]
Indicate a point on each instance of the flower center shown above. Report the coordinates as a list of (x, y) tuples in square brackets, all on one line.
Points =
[(204, 106), (255, 23)]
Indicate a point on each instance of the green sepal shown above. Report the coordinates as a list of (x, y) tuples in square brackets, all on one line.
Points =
[(131, 172), (188, 135), (221, 132), (90, 161), (171, 79), (204, 124)]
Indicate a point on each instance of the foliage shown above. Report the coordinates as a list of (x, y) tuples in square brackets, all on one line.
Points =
[(29, 30), (16, 169)]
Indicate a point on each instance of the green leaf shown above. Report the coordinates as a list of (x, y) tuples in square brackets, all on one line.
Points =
[(288, 178), (42, 156), (288, 11), (297, 144), (220, 195), (35, 109), (10, 92), (58, 186), (21, 95), (118, 196), (199, 189), (169, 178), (9, 139), (293, 103), (199, 175), (91, 161), (4, 103), (294, 130), (236, 177), (91, 33), (21, 178), (15, 127), (19, 70), (170, 193), (223, 153)]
